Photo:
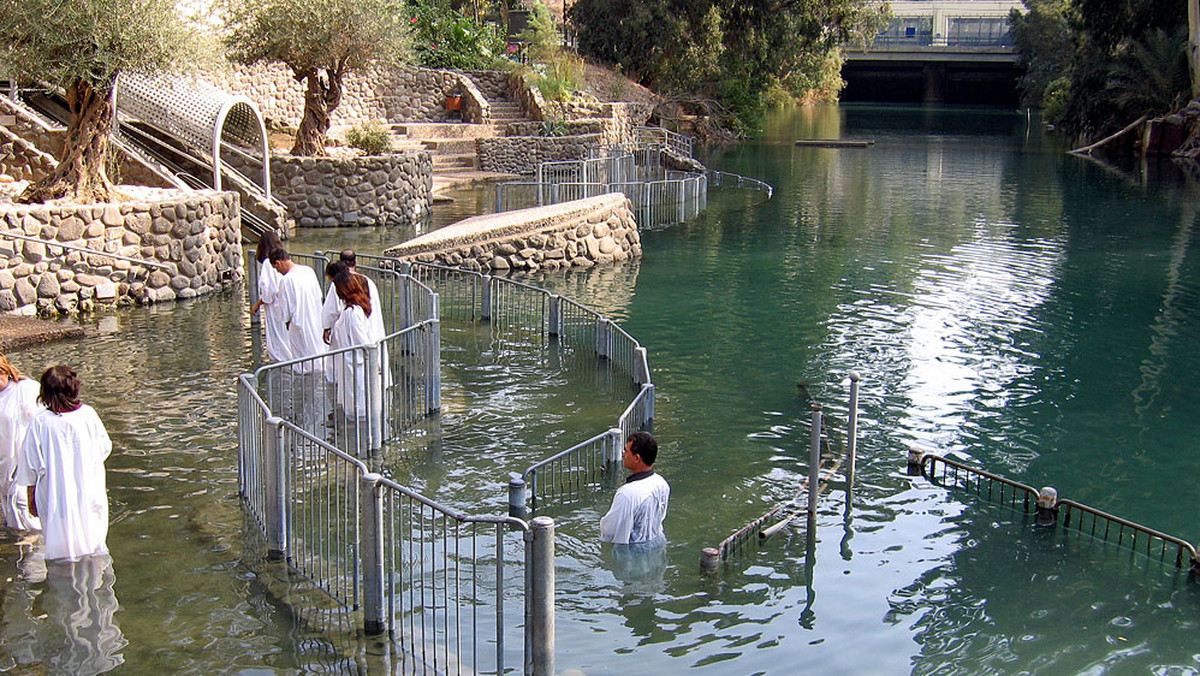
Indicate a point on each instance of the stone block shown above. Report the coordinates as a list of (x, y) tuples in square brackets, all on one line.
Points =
[(48, 286)]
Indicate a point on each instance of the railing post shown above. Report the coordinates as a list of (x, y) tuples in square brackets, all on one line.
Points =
[(648, 407), (555, 316), (485, 299), (373, 375), (433, 364), (516, 495), (916, 458), (814, 466), (603, 337), (615, 450), (539, 598), (371, 547), (851, 438), (253, 284), (274, 456), (1047, 506), (641, 366)]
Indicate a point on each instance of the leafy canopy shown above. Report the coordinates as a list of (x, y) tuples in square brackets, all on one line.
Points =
[(448, 38), (91, 41), (338, 36)]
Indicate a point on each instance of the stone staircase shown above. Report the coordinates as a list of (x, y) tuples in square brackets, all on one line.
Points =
[(452, 144)]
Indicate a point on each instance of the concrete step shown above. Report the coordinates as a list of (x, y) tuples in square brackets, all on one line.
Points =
[(450, 146), (463, 161), (440, 130)]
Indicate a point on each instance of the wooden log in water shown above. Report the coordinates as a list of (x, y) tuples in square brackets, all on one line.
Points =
[(836, 142)]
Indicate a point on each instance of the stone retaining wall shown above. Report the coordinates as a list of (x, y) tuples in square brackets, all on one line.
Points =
[(196, 234), (365, 190), (593, 231), (390, 93), (522, 154)]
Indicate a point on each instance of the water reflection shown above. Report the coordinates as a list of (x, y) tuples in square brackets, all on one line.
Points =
[(61, 617)]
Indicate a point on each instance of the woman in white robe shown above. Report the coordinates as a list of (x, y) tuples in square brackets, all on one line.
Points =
[(354, 327), (18, 403), (62, 464), (268, 297)]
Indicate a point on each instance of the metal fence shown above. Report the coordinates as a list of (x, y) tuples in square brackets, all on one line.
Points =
[(435, 579), (1075, 517), (659, 137)]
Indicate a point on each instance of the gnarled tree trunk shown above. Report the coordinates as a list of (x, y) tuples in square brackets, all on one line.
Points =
[(80, 174), (321, 97)]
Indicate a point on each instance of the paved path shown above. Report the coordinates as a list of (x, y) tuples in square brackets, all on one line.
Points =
[(18, 331)]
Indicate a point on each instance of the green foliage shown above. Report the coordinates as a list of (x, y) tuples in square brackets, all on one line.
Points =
[(1043, 39), (335, 37), (446, 38), (558, 73), (90, 40), (738, 54), (555, 128), (371, 137), (1054, 99), (1150, 76)]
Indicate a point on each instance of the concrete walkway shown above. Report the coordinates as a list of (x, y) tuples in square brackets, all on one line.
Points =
[(18, 331), (446, 180)]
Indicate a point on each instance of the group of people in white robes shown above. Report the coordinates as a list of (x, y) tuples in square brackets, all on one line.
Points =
[(52, 453), (299, 325)]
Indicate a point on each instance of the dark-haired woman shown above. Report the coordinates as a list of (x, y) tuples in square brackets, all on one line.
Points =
[(353, 327), (268, 294), (62, 463)]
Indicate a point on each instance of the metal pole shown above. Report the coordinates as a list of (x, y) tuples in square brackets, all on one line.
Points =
[(371, 545), (603, 337), (253, 291), (814, 466), (555, 315), (540, 627), (516, 495), (851, 439), (374, 394), (648, 407), (641, 366), (276, 480), (485, 299), (433, 364)]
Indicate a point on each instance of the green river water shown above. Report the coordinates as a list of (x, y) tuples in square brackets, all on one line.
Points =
[(1031, 313)]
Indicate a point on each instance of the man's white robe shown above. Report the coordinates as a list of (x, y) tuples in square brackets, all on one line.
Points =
[(638, 510), (63, 457), (268, 291), (300, 301), (18, 404)]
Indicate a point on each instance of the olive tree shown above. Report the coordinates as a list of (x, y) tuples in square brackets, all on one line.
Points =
[(81, 46), (321, 42)]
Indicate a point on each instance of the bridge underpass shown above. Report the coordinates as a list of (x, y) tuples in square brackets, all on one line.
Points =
[(916, 78)]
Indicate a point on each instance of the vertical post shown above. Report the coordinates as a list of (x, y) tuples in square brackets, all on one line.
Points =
[(603, 337), (253, 290), (851, 439), (814, 461), (1047, 506), (276, 489), (916, 458), (710, 559), (485, 299), (373, 372), (641, 366), (433, 364), (555, 316), (516, 495), (648, 407), (371, 546), (540, 594)]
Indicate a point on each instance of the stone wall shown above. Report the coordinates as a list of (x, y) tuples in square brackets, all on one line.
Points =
[(522, 154), (197, 235), (389, 93), (593, 231), (364, 190), (21, 160)]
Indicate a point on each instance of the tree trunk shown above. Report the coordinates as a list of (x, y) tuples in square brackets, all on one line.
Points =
[(1193, 44), (80, 175), (321, 97)]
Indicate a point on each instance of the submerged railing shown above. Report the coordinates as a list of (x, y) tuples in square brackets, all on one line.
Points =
[(434, 578), (1047, 506)]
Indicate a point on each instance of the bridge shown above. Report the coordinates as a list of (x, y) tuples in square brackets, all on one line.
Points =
[(956, 51)]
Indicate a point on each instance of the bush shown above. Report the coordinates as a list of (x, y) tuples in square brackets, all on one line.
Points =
[(370, 137), (445, 38)]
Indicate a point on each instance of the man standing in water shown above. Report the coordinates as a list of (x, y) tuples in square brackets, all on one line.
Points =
[(299, 297), (640, 505)]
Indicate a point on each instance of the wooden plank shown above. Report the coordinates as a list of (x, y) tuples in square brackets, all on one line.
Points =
[(835, 142)]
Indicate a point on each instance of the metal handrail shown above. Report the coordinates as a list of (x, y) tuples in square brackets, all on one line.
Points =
[(91, 252), (1123, 524)]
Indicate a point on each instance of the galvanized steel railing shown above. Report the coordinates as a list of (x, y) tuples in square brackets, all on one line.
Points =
[(434, 578), (1076, 517), (657, 136)]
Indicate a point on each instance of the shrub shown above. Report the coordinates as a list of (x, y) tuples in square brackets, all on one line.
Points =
[(445, 38), (370, 137)]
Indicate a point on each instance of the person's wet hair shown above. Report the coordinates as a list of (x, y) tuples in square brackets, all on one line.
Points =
[(60, 389), (644, 446)]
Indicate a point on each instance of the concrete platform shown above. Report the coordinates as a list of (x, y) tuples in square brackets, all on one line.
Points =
[(18, 331)]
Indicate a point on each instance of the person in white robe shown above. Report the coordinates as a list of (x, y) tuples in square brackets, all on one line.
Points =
[(300, 302), (268, 293), (18, 404), (62, 464), (352, 328)]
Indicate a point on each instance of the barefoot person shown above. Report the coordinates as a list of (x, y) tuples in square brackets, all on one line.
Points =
[(62, 464), (18, 403)]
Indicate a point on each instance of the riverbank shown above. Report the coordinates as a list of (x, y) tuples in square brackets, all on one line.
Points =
[(17, 331)]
